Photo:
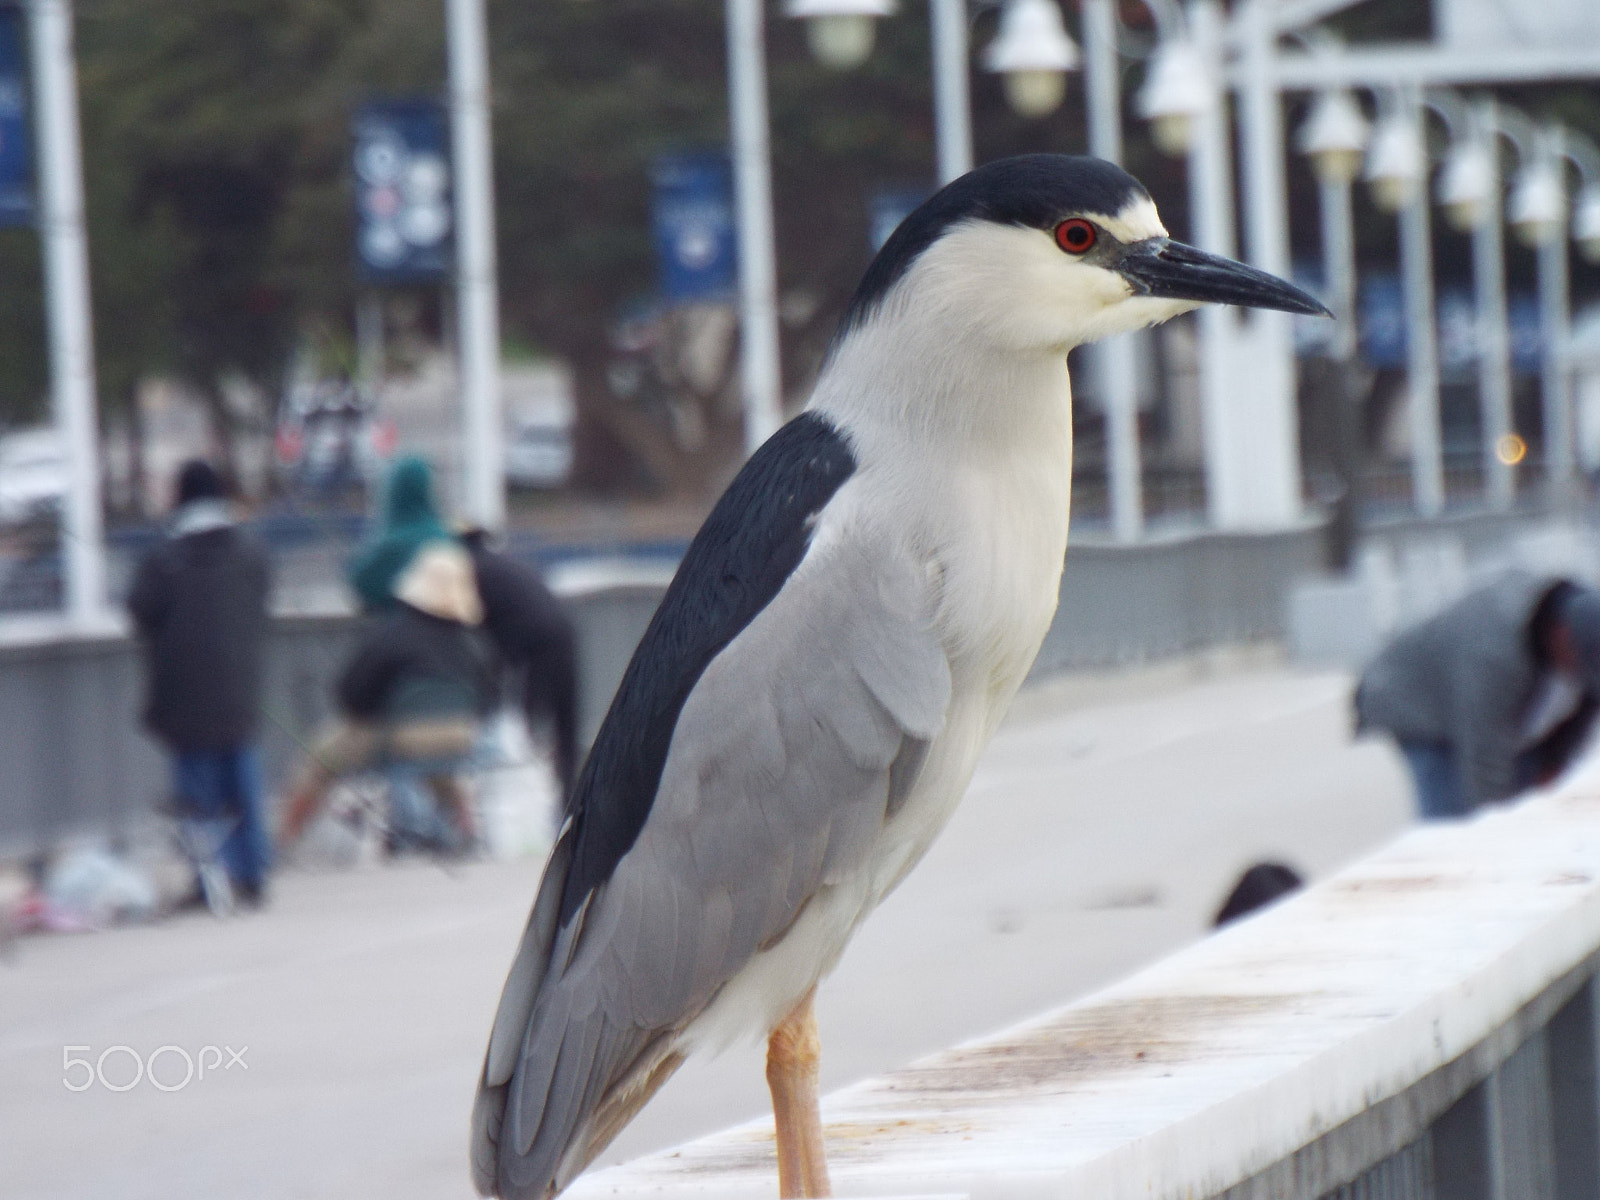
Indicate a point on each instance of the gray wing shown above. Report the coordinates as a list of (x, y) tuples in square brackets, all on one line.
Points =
[(787, 758)]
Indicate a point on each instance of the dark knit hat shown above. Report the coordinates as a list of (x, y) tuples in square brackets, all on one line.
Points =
[(198, 480)]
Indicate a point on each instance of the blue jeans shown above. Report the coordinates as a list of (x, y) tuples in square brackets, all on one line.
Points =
[(225, 785), (1440, 794)]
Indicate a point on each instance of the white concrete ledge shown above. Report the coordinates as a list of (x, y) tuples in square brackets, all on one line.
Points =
[(1208, 1067)]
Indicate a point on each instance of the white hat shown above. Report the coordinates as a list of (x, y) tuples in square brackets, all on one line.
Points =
[(440, 582)]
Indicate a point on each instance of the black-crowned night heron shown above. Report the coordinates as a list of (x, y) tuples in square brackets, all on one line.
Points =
[(843, 636)]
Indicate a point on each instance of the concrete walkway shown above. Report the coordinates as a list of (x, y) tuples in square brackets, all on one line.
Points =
[(1103, 829)]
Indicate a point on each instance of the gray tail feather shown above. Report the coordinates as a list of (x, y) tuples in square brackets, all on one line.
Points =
[(546, 1119), (515, 1015), (488, 1111), (556, 1089)]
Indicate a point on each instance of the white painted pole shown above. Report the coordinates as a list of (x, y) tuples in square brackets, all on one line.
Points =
[(1269, 419), (478, 304), (1560, 466), (66, 266), (1114, 358), (1262, 143), (1101, 80), (1422, 350), (1493, 329), (1224, 412), (759, 374), (952, 101), (1339, 258)]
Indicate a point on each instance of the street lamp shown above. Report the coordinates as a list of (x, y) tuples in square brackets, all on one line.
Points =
[(1334, 137), (1396, 162), (1583, 154), (1034, 53), (1586, 222), (1538, 208), (1176, 91), (840, 32), (1467, 183)]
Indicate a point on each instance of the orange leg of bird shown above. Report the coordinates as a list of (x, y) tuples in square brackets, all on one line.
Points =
[(793, 1052)]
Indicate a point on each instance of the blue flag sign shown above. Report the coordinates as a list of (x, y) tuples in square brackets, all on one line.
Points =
[(401, 158), (696, 244), (16, 175), (1383, 327)]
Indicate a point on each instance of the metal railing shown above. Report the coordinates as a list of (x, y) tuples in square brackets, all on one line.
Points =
[(77, 762), (1419, 1026)]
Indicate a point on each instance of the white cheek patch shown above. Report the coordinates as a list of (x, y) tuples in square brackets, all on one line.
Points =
[(1134, 222)]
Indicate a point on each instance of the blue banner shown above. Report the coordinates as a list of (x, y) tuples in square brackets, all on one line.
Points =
[(1383, 328), (1382, 321), (696, 243), (16, 161), (404, 221)]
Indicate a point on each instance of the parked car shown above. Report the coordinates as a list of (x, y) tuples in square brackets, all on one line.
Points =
[(538, 455), (33, 475), (539, 418)]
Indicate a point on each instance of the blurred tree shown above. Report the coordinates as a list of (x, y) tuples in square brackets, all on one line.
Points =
[(216, 145), (216, 138), (23, 377)]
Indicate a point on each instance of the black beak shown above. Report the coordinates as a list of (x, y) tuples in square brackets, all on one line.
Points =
[(1172, 271)]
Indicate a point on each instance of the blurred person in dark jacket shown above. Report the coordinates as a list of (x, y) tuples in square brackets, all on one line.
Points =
[(199, 606), (415, 692), (536, 644), (1491, 696)]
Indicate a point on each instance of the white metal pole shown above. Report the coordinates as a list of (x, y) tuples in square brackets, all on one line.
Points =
[(1101, 80), (1224, 413), (1493, 331), (1262, 138), (952, 102), (66, 264), (1422, 351), (483, 456), (1114, 359), (1339, 258), (1273, 476), (1555, 331), (759, 374)]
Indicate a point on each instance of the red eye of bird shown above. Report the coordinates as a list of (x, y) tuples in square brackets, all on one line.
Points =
[(1075, 235)]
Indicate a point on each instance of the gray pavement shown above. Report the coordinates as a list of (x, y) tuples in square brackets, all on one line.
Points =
[(1104, 827)]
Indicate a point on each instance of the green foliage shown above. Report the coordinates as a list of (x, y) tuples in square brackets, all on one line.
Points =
[(216, 144), (216, 138)]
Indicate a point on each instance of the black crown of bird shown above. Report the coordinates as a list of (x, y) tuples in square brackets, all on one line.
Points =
[(808, 703)]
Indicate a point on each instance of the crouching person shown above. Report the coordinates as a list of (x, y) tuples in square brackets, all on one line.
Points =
[(414, 695)]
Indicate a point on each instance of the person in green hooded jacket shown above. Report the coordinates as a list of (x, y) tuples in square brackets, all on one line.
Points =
[(410, 521)]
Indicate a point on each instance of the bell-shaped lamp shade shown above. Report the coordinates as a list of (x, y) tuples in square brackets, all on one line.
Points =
[(1175, 91), (1466, 184), (1586, 222), (840, 32), (1034, 53), (1538, 207), (1334, 137), (1396, 162)]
